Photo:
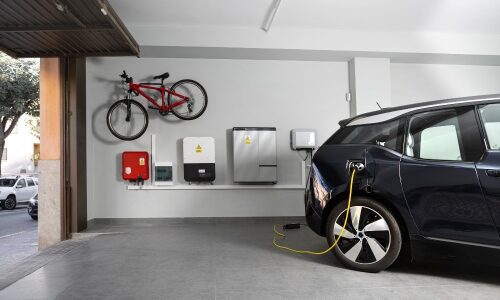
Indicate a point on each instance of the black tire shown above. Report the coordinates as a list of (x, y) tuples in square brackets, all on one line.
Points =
[(34, 217), (201, 99), (10, 203), (141, 111), (379, 246)]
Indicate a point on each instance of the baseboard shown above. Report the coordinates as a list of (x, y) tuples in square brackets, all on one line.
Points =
[(200, 220)]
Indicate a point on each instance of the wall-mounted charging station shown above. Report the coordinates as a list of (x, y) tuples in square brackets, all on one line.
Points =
[(303, 139)]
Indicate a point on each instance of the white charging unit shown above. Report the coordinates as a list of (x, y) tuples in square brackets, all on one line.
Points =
[(303, 139)]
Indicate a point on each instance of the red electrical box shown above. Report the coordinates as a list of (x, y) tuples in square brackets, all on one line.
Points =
[(135, 165)]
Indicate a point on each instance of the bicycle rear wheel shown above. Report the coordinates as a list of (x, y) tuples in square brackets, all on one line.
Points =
[(127, 119), (196, 104)]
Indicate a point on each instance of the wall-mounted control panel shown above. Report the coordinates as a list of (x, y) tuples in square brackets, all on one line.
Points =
[(163, 173), (255, 155), (303, 139)]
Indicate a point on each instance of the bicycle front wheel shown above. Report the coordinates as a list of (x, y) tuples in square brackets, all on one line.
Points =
[(127, 119), (196, 103)]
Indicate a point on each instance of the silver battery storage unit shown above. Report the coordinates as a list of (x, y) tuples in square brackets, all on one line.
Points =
[(254, 155)]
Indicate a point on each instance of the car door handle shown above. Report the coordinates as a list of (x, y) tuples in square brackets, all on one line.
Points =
[(493, 173)]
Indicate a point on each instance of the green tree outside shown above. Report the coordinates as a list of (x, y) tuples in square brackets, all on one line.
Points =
[(19, 93)]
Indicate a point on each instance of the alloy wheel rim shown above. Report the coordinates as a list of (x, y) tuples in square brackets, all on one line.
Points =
[(366, 238), (9, 203)]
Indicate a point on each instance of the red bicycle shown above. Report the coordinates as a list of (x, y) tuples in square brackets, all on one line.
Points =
[(127, 119)]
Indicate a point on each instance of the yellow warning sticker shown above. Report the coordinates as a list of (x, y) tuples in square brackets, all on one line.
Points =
[(142, 161), (199, 149), (248, 140)]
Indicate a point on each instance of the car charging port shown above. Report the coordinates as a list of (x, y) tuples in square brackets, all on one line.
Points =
[(355, 165)]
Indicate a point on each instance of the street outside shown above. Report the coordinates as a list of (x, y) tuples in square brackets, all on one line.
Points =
[(18, 235)]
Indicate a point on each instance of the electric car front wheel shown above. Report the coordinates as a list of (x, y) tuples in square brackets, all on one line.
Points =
[(372, 239)]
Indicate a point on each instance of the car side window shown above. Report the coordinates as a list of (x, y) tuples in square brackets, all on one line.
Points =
[(387, 134), (30, 182), (21, 183), (449, 135), (490, 115)]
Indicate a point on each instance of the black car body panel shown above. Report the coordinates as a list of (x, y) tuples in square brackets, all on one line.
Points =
[(380, 180), (491, 183), (446, 201), (33, 207), (437, 202)]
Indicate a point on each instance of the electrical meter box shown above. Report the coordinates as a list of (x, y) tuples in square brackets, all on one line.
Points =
[(303, 139), (163, 173), (199, 159), (254, 155), (135, 165)]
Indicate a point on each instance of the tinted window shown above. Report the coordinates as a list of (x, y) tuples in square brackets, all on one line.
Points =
[(21, 183), (7, 182), (451, 134), (388, 134), (490, 114), (30, 182)]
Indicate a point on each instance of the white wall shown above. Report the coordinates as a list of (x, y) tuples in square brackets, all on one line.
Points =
[(370, 83), (283, 94), (411, 83)]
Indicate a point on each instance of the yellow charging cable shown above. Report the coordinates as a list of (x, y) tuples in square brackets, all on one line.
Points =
[(336, 241)]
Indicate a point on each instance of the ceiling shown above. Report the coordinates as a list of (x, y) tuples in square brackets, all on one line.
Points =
[(443, 16), (47, 28)]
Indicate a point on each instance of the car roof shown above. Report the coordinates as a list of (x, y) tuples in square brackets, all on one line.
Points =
[(390, 113), (16, 177)]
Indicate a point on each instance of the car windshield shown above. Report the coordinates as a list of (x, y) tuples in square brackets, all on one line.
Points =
[(7, 182)]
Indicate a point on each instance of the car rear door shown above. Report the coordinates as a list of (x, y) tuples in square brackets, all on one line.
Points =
[(439, 178), (32, 188), (489, 167)]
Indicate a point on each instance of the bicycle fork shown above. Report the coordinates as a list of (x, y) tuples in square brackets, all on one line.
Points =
[(129, 111)]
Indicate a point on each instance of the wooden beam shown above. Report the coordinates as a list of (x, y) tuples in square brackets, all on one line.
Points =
[(82, 54), (119, 26), (55, 28), (70, 13)]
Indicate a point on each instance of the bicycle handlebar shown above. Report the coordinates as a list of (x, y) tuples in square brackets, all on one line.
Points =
[(126, 77)]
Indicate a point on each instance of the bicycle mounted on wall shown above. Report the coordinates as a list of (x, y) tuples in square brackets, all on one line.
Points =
[(127, 119)]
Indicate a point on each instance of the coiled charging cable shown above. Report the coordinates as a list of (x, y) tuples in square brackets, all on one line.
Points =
[(277, 233)]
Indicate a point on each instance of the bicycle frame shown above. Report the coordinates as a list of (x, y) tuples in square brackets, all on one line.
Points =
[(139, 87)]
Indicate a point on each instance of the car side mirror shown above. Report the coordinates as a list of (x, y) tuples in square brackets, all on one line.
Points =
[(19, 186)]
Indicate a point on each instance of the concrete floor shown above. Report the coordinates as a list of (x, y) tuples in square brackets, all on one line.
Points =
[(154, 260), (18, 236)]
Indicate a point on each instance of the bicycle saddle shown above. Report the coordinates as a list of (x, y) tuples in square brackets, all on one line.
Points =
[(162, 76)]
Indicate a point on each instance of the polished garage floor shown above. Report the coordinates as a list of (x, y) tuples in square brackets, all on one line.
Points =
[(158, 260)]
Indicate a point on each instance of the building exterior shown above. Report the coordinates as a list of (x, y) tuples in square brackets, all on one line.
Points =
[(22, 149)]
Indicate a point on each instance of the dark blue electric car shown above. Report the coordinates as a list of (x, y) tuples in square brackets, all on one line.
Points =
[(429, 179)]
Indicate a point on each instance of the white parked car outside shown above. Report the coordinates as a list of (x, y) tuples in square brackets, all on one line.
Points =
[(17, 190)]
